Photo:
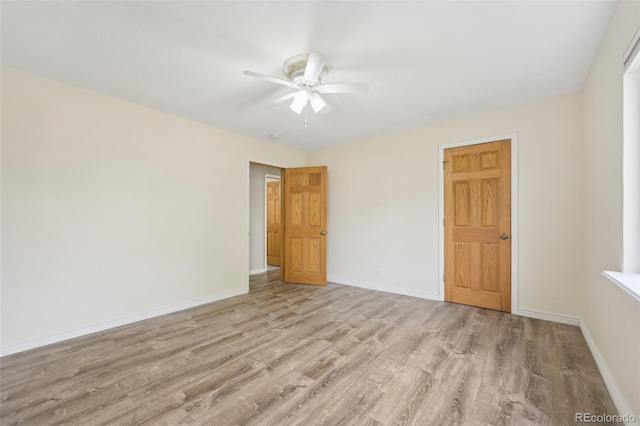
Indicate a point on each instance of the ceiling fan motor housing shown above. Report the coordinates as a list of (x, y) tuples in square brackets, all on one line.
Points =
[(294, 69)]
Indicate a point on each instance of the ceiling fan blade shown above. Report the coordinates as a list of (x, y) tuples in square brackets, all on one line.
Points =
[(344, 88), (268, 78), (315, 65), (317, 103), (282, 98)]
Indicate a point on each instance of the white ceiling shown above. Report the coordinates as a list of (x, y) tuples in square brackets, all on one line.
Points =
[(425, 62)]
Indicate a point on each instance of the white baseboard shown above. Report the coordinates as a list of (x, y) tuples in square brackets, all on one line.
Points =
[(616, 395), (116, 323), (257, 271), (386, 289), (547, 317)]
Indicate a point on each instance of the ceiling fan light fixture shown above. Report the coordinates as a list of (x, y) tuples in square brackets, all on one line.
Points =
[(299, 101), (317, 103)]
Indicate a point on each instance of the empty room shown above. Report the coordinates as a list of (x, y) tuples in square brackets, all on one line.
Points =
[(320, 212)]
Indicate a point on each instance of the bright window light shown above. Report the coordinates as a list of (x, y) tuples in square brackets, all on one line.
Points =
[(631, 160)]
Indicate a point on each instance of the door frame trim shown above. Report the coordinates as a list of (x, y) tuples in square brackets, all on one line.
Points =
[(514, 211), (269, 178)]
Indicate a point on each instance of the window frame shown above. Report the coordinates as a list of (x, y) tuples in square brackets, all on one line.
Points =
[(629, 276)]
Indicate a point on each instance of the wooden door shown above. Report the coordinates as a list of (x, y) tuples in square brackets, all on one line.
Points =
[(305, 224), (273, 223), (477, 227)]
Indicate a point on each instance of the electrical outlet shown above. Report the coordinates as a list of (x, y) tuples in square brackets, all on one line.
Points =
[(377, 271)]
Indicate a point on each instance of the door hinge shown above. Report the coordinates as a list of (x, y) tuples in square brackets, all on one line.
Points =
[(443, 278)]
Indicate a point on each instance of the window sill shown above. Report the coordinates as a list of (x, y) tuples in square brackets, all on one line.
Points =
[(628, 282)]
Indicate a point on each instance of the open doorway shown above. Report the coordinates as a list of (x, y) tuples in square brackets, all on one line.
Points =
[(303, 228), (259, 176)]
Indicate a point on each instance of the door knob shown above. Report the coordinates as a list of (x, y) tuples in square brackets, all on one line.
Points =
[(504, 236), (323, 232)]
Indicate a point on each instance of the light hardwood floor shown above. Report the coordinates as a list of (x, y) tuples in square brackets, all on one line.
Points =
[(288, 354)]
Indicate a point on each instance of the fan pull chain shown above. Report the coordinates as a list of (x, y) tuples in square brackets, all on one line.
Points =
[(306, 115)]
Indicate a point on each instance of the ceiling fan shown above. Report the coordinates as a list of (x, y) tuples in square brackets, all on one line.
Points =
[(304, 72)]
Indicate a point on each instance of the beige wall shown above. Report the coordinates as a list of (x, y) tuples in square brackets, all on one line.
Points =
[(390, 220), (611, 316), (111, 210)]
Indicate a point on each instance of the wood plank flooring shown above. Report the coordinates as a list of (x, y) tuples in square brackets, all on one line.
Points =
[(288, 354)]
